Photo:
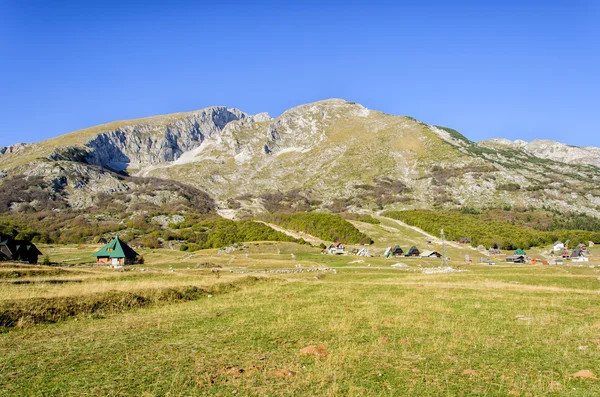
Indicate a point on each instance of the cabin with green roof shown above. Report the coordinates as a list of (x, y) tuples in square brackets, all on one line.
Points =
[(116, 254), (413, 251), (520, 251)]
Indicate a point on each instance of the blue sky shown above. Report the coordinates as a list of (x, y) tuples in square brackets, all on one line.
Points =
[(518, 70)]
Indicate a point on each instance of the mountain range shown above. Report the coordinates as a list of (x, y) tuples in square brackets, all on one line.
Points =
[(329, 155)]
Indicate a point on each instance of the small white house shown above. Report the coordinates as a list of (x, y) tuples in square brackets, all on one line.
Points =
[(336, 249), (559, 246)]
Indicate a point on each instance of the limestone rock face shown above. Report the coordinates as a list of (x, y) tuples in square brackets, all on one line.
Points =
[(564, 153), (141, 145), (547, 149), (12, 148)]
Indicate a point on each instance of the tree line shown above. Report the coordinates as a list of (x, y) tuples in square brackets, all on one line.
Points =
[(488, 232), (329, 227)]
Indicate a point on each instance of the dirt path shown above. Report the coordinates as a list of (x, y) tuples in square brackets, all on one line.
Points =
[(432, 237), (299, 235)]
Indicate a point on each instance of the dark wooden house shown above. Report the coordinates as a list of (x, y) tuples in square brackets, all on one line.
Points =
[(413, 251), (397, 251), (18, 250)]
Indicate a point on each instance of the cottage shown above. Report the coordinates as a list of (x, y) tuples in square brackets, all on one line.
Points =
[(116, 254), (397, 251), (516, 258), (465, 240), (559, 246), (431, 254), (494, 251), (336, 249), (577, 252), (18, 250), (520, 251), (413, 251), (481, 248)]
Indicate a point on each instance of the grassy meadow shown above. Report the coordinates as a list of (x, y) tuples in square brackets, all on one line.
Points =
[(280, 319)]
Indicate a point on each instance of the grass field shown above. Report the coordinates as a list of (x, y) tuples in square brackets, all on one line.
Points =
[(262, 327)]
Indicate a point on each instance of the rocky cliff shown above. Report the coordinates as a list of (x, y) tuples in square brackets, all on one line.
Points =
[(131, 144), (137, 146), (12, 148)]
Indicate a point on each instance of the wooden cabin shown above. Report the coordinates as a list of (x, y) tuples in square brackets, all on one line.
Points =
[(516, 259), (431, 254), (413, 251), (336, 249), (18, 250), (116, 254)]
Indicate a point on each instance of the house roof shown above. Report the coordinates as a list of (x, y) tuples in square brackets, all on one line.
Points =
[(428, 253), (29, 247), (412, 249), (515, 257), (6, 242), (16, 246), (116, 249), (520, 252)]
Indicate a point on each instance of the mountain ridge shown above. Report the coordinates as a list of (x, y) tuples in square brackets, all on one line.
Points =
[(328, 152)]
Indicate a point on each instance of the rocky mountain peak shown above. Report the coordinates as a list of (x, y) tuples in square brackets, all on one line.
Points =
[(12, 148)]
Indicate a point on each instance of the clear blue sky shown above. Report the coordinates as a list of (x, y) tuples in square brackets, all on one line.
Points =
[(512, 69)]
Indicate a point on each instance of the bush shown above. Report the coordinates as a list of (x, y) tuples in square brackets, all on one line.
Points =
[(509, 187)]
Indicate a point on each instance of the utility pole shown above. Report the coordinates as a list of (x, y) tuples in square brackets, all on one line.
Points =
[(444, 259)]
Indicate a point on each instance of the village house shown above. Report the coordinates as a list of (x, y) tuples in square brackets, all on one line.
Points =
[(116, 254), (413, 251), (494, 251), (18, 250), (336, 249), (516, 259), (430, 254), (395, 251)]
